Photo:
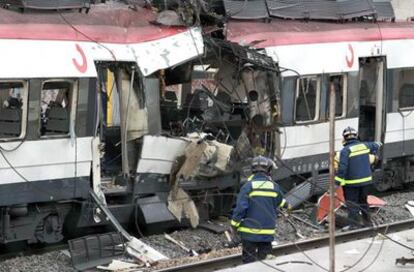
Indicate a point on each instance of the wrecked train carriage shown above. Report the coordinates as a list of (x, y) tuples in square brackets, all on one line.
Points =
[(371, 67), (80, 110)]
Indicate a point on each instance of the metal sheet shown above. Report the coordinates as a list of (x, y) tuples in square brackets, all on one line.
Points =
[(255, 9), (159, 153), (152, 100), (320, 9), (384, 10)]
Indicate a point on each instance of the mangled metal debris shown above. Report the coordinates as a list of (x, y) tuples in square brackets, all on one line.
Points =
[(91, 251), (181, 244), (117, 265)]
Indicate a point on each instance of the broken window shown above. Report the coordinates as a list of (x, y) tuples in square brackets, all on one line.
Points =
[(339, 82), (404, 82), (307, 99), (55, 107), (12, 107)]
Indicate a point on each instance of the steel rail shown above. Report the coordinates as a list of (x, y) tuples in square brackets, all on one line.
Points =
[(284, 249)]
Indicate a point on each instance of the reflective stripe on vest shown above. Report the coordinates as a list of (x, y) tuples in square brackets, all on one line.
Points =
[(352, 181), (256, 231), (264, 184), (234, 223), (359, 149), (357, 153), (263, 193), (282, 203)]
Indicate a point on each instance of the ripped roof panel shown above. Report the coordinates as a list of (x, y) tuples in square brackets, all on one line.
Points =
[(308, 9), (254, 9)]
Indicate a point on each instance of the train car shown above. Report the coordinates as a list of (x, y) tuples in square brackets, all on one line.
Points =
[(372, 68), (77, 94)]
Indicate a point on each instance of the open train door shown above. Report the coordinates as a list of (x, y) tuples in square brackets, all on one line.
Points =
[(371, 108), (371, 97)]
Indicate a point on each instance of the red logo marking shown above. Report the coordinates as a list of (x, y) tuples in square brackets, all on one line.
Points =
[(84, 65), (350, 61)]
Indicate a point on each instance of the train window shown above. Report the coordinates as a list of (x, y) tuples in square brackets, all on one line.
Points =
[(339, 82), (405, 85), (307, 99), (13, 100), (56, 104)]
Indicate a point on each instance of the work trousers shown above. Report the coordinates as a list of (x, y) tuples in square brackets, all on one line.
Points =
[(356, 202), (254, 251)]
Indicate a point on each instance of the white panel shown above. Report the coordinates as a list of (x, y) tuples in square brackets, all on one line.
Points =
[(46, 159), (158, 154), (400, 127), (37, 58), (399, 53), (312, 139), (45, 172), (166, 52), (30, 58), (338, 57)]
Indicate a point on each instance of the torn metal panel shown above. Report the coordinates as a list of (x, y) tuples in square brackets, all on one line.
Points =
[(130, 35), (257, 89), (152, 102), (167, 52), (181, 205), (159, 153), (205, 158), (117, 265), (134, 246), (90, 251), (193, 154)]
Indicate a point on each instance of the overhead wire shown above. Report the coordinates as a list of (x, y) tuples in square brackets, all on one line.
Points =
[(110, 51)]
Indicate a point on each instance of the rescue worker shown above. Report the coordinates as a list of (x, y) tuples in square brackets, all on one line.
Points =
[(355, 175), (254, 217)]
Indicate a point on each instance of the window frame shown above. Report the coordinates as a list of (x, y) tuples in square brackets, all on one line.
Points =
[(344, 94), (410, 108), (317, 99), (73, 97), (25, 107)]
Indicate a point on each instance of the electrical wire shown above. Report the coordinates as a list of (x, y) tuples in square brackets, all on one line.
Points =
[(111, 52), (85, 35)]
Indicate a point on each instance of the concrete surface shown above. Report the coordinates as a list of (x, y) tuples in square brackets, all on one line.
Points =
[(347, 254)]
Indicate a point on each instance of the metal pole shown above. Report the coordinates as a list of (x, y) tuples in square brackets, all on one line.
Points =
[(331, 178)]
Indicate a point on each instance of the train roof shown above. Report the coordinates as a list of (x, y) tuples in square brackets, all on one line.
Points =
[(287, 32), (108, 23)]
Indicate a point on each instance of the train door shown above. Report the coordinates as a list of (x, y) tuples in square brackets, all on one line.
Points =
[(371, 97)]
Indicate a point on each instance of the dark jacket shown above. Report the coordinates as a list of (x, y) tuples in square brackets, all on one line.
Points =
[(257, 208), (354, 165)]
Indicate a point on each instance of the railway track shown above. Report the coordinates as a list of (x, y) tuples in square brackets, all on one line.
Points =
[(233, 260)]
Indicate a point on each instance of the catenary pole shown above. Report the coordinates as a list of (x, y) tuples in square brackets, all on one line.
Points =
[(331, 178)]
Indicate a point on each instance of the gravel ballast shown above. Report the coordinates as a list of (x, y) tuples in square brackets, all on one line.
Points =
[(208, 244)]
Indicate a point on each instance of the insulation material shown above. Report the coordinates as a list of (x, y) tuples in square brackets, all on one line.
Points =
[(206, 158), (181, 205)]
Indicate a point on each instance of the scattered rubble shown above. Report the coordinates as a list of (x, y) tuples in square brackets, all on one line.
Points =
[(208, 244)]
